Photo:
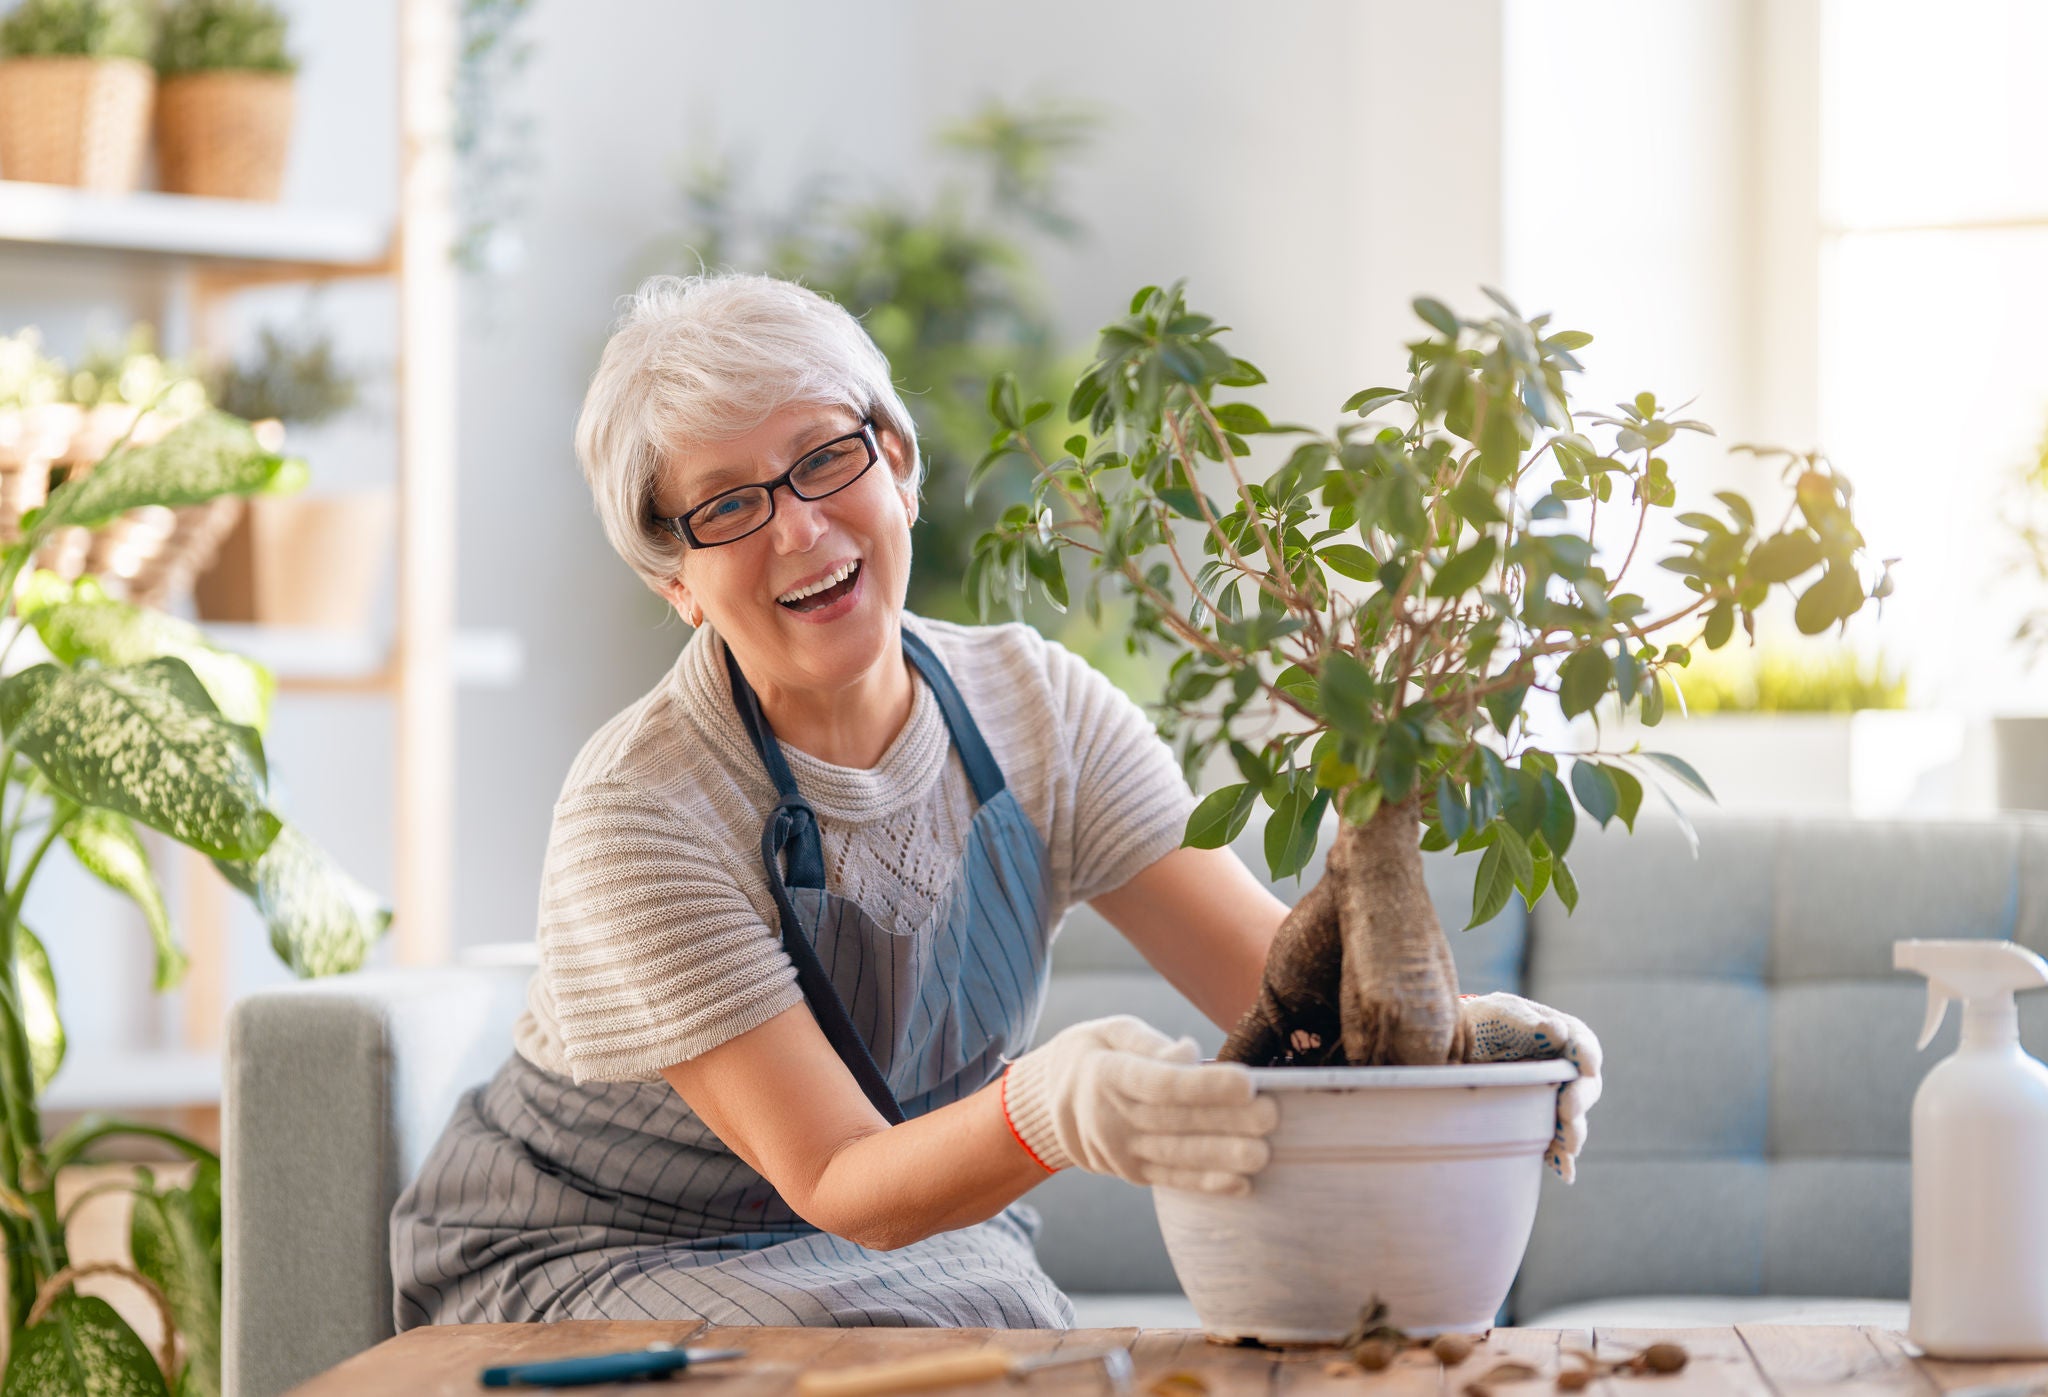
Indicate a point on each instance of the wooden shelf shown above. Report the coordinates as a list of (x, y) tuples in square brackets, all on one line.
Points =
[(311, 660), (272, 239)]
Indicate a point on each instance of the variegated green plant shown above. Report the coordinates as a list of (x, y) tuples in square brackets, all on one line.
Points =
[(133, 721)]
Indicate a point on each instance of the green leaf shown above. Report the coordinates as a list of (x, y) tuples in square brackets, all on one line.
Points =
[(1463, 572), (81, 622), (1492, 887), (1628, 795), (1784, 556), (1295, 825), (322, 922), (1564, 882), (1350, 560), (175, 1240), (1347, 693), (1503, 704), (1220, 817), (1437, 314), (1560, 819), (1450, 808), (1521, 864), (1242, 418), (145, 740), (107, 846), (1682, 769), (39, 1019), (210, 456), (1836, 597), (1044, 564), (1582, 679), (81, 1349), (1366, 400), (1593, 784)]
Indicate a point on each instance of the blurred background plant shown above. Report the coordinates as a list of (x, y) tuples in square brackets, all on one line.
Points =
[(133, 374), (74, 28), (1770, 679), (200, 36), (2026, 513), (293, 376), (493, 135), (947, 288)]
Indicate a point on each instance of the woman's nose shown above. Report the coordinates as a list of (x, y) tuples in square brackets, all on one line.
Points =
[(798, 522)]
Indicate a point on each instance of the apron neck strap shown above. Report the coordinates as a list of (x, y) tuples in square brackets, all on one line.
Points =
[(792, 827), (982, 771)]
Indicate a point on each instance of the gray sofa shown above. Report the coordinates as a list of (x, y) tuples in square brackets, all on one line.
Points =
[(1749, 1158)]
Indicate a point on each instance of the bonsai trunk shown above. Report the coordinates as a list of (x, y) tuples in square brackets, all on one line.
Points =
[(1360, 973)]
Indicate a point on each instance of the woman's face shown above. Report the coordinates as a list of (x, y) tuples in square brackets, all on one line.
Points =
[(829, 639)]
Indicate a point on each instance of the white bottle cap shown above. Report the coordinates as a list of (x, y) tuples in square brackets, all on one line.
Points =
[(1980, 973)]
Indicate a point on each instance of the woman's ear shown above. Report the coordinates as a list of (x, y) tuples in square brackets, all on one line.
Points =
[(898, 457), (677, 592)]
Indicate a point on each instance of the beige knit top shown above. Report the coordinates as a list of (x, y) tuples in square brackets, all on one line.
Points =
[(658, 936)]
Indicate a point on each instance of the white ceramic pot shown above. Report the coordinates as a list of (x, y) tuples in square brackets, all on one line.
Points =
[(1413, 1184)]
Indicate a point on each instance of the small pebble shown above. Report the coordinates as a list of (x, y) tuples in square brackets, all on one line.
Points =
[(1373, 1355), (1573, 1380), (1664, 1358), (1451, 1349)]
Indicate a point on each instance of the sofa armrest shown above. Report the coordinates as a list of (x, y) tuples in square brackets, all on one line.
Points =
[(334, 1092)]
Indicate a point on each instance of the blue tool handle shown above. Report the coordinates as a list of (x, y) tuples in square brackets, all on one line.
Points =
[(602, 1367)]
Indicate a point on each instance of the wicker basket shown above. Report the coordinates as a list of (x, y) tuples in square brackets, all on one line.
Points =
[(148, 555), (224, 134), (76, 121)]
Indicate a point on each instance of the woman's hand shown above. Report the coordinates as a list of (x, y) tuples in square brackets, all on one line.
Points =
[(1117, 1096), (1509, 1028)]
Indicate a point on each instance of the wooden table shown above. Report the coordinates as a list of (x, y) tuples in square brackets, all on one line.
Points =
[(1746, 1361)]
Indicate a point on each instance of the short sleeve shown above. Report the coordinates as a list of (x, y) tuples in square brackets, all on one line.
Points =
[(1131, 804), (651, 952)]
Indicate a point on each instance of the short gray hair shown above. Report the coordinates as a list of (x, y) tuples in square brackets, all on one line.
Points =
[(697, 359)]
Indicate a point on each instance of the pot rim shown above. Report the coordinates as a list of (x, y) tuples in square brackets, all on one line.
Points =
[(1538, 1072)]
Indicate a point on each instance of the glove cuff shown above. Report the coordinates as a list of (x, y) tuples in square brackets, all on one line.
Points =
[(1028, 1109)]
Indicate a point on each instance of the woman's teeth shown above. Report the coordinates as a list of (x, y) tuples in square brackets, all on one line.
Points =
[(838, 577)]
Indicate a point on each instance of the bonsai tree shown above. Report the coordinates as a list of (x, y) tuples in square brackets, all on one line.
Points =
[(1362, 627), (133, 721)]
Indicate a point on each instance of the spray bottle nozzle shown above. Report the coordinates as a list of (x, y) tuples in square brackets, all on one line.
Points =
[(1971, 971)]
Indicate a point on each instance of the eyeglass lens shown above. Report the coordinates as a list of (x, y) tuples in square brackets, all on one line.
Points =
[(831, 467)]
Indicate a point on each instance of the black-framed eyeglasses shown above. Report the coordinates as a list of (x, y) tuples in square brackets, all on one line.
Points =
[(731, 515)]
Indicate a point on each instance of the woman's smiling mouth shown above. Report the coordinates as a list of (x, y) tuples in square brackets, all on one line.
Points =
[(822, 591)]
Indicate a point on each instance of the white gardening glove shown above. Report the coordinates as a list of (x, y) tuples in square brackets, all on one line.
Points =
[(1509, 1028), (1117, 1096)]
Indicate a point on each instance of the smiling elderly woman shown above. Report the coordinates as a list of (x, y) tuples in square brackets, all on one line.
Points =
[(798, 899)]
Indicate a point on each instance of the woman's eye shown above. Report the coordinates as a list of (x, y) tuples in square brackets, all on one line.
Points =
[(726, 508)]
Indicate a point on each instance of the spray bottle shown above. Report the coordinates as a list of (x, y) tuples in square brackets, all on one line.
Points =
[(1980, 1160)]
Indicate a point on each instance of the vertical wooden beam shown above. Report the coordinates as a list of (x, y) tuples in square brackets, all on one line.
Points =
[(424, 790)]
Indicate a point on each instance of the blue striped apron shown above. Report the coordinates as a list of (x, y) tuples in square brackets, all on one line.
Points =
[(547, 1200)]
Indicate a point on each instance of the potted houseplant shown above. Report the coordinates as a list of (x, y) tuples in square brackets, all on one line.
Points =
[(1797, 728), (87, 738), (224, 99), (75, 89), (1361, 630), (309, 559)]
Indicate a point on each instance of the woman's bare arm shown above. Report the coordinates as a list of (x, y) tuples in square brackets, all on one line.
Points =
[(780, 1098), (1202, 920)]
